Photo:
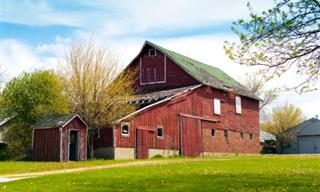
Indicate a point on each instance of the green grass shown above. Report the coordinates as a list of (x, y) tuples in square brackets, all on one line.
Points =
[(264, 173), (13, 167)]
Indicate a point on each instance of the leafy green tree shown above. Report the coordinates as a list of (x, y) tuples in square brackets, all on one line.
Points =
[(280, 120), (280, 39), (26, 99)]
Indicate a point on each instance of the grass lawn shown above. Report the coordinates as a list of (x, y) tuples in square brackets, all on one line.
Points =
[(254, 173), (13, 167)]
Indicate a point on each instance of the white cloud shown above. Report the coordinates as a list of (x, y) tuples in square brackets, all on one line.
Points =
[(57, 48), (130, 17), (36, 13), (308, 102), (18, 57)]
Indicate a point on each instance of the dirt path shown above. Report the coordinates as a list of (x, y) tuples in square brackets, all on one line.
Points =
[(13, 177)]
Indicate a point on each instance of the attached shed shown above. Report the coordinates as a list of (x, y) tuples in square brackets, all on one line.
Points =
[(60, 138)]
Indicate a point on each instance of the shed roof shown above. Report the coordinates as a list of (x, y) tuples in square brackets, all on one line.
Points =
[(265, 136), (308, 127), (159, 95), (55, 121), (206, 74)]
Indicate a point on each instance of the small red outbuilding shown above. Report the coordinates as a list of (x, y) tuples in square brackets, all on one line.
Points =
[(60, 137)]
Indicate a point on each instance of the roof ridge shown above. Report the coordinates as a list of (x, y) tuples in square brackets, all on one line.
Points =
[(206, 74), (182, 55)]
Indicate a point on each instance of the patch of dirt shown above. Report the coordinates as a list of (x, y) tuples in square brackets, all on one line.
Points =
[(13, 177)]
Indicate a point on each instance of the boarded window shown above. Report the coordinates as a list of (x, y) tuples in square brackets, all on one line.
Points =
[(216, 106), (152, 67), (125, 129), (213, 132), (238, 105)]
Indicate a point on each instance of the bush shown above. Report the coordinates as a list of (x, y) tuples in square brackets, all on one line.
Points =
[(4, 152), (26, 157), (158, 156)]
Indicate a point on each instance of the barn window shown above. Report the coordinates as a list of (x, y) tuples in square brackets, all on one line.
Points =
[(238, 105), (241, 135), (125, 129), (213, 132), (226, 133), (160, 132), (152, 52), (251, 136), (216, 106)]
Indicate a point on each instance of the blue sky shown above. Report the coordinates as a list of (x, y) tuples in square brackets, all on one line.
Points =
[(34, 33)]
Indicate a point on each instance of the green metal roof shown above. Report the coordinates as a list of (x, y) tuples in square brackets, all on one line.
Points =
[(54, 121), (206, 74)]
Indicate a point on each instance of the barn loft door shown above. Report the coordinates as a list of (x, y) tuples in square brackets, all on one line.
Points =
[(190, 137), (144, 140), (73, 146)]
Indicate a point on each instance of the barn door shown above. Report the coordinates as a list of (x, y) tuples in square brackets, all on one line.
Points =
[(144, 140), (190, 137), (308, 144), (73, 145)]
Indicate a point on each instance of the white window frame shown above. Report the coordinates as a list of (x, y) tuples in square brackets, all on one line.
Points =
[(217, 106), (238, 104), (155, 52), (128, 134)]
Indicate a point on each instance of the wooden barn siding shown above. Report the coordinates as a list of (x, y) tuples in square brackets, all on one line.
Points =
[(199, 103), (105, 140), (82, 140), (46, 145), (175, 76)]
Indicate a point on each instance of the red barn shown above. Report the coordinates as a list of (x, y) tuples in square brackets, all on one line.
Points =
[(60, 138), (185, 108)]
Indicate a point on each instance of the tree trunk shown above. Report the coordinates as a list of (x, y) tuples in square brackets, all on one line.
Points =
[(91, 145)]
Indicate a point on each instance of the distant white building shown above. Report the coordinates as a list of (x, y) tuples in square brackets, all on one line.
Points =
[(267, 142)]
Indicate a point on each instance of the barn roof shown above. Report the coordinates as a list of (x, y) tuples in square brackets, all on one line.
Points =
[(55, 121), (158, 95), (308, 127), (167, 96), (206, 74)]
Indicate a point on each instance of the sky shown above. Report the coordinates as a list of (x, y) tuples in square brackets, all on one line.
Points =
[(35, 34)]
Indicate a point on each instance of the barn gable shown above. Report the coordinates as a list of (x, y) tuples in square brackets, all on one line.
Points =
[(154, 71)]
